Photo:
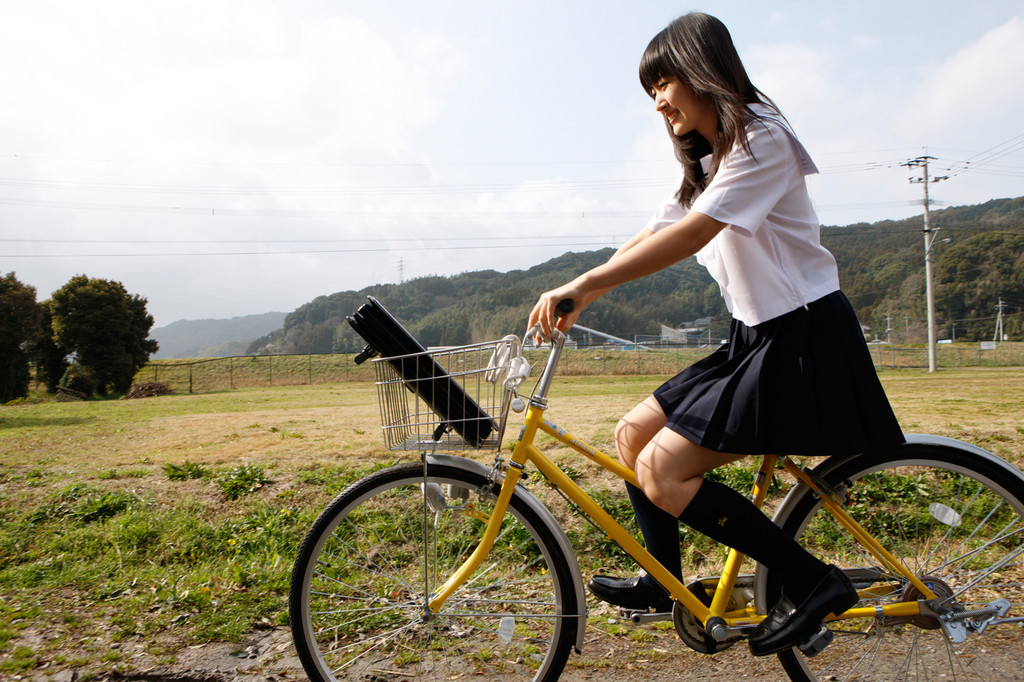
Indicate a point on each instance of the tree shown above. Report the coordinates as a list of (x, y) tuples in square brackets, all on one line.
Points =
[(19, 315), (973, 273), (106, 328), (50, 359)]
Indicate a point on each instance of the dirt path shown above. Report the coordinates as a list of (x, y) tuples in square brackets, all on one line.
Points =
[(269, 656)]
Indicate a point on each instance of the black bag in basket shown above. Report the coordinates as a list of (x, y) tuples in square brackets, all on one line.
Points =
[(386, 337)]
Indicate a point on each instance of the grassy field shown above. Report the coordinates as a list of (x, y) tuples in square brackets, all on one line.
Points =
[(133, 530)]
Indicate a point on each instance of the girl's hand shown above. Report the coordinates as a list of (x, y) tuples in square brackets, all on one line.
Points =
[(546, 313)]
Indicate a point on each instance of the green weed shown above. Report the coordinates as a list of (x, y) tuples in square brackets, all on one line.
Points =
[(186, 471), (241, 480), (85, 504)]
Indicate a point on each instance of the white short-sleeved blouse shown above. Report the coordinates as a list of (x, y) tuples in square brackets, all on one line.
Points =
[(769, 259)]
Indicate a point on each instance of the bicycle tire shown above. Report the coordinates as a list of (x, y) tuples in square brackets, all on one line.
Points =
[(955, 517), (357, 592)]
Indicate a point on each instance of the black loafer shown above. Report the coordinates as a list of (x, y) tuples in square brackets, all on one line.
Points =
[(789, 624), (630, 593)]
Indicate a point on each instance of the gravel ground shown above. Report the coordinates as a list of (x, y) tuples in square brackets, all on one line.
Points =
[(269, 657)]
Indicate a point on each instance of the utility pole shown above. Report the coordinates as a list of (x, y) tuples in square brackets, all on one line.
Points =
[(998, 336), (929, 239)]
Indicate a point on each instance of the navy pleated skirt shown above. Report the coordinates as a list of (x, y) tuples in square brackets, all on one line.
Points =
[(802, 383)]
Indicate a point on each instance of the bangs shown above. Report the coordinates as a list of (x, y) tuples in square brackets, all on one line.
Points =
[(659, 61)]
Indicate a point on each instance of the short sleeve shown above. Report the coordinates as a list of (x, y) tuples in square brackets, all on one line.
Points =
[(749, 184), (669, 211)]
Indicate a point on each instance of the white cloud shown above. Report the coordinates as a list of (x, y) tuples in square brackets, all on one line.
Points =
[(161, 105), (977, 82), (797, 76), (234, 81), (468, 121)]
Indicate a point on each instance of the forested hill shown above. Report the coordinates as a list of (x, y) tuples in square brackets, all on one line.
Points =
[(881, 268)]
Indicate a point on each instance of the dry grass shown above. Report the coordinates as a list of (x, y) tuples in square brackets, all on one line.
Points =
[(305, 438), (984, 406)]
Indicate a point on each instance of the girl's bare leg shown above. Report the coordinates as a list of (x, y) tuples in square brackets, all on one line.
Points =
[(668, 466)]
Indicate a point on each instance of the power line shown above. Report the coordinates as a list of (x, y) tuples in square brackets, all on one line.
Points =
[(376, 239), (331, 164), (858, 167), (986, 157), (407, 246), (981, 162), (376, 215), (354, 215), (328, 190)]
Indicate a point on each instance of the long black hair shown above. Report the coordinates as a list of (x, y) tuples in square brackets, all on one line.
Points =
[(697, 49)]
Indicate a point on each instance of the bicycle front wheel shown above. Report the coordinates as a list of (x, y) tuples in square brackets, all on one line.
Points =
[(956, 519), (375, 555)]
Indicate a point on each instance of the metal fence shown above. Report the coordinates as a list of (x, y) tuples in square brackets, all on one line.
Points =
[(223, 374), (1007, 354)]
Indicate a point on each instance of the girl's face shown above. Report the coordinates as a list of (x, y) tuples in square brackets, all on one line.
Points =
[(684, 110)]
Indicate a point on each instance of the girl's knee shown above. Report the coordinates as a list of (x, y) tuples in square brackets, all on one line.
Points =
[(635, 430), (670, 496), (655, 487), (624, 445)]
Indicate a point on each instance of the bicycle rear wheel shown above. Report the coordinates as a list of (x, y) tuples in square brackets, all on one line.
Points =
[(953, 516), (378, 551)]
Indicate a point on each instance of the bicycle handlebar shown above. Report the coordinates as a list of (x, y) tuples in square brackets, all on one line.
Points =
[(564, 307)]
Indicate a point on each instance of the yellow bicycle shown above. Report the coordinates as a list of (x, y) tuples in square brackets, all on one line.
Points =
[(447, 568)]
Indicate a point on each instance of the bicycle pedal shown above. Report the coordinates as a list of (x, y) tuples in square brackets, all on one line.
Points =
[(817, 642), (638, 617)]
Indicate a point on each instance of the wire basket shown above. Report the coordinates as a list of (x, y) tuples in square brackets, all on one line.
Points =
[(448, 399)]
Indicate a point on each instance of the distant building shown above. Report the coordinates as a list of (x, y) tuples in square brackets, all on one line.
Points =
[(688, 333)]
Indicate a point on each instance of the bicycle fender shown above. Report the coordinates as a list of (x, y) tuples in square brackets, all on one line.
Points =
[(830, 463), (546, 517), (929, 439)]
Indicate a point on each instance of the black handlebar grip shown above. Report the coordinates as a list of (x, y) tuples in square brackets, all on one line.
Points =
[(566, 306)]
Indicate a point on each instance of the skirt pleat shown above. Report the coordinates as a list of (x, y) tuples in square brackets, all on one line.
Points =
[(800, 384)]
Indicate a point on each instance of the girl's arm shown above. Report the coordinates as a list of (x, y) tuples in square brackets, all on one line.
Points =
[(644, 254), (632, 241)]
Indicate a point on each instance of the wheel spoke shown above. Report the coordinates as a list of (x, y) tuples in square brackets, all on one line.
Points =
[(366, 569), (956, 520)]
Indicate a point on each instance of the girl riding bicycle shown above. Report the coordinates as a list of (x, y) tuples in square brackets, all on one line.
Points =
[(795, 373)]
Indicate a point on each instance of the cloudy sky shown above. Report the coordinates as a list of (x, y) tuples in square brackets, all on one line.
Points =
[(230, 157)]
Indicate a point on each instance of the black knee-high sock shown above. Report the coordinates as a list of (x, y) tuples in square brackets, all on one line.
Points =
[(728, 517), (660, 530)]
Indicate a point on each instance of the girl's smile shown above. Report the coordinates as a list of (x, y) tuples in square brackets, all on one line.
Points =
[(684, 109)]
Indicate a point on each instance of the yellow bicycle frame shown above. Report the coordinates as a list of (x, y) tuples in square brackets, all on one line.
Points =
[(525, 452)]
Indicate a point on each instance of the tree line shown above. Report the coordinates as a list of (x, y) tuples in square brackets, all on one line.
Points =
[(90, 337), (881, 268)]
